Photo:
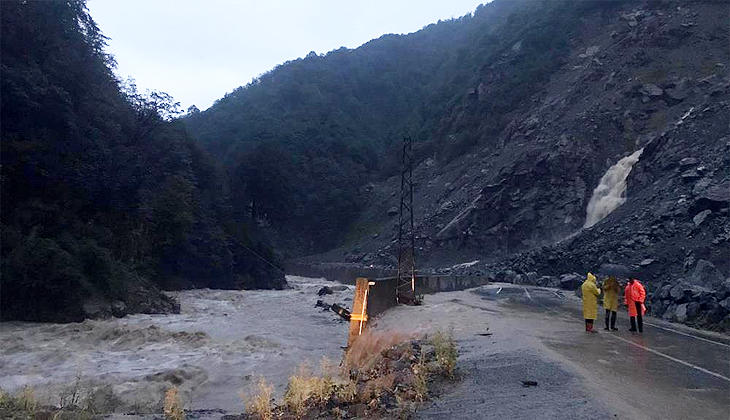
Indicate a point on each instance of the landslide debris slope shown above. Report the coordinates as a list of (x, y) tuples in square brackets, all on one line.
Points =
[(638, 75)]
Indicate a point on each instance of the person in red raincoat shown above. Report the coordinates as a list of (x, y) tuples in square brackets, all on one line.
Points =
[(635, 294)]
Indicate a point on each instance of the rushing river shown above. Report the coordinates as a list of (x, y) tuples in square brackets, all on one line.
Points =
[(215, 349)]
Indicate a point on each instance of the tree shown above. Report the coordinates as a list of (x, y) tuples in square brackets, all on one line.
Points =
[(151, 108), (193, 110)]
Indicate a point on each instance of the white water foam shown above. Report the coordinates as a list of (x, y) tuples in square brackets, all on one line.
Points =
[(214, 349), (611, 191)]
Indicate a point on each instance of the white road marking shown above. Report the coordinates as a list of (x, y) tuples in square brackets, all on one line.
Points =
[(674, 359), (527, 293), (687, 334), (500, 289)]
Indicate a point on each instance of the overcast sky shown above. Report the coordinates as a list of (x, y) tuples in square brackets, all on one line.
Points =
[(197, 50)]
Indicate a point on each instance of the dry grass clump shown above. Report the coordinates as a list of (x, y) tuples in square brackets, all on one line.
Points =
[(446, 354), (75, 403), (382, 376), (260, 405), (24, 405), (420, 378), (25, 402), (368, 347), (173, 406), (306, 390)]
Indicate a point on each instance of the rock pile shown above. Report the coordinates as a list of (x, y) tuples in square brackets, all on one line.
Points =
[(692, 304)]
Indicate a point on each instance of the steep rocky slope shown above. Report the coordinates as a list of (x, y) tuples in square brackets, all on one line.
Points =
[(639, 75)]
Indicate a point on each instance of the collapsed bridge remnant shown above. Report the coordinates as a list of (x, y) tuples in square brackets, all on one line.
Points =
[(339, 310)]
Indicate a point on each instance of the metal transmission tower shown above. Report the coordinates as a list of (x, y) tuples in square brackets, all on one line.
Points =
[(406, 287)]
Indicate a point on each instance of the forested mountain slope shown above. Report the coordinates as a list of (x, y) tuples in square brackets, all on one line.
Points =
[(104, 198), (319, 128)]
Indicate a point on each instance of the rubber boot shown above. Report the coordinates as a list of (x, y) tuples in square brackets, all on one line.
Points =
[(590, 327), (608, 317), (633, 324)]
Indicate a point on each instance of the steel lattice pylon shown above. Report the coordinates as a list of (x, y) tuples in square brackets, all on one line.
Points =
[(406, 288)]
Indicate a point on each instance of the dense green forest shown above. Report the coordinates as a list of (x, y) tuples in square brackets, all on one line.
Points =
[(105, 196), (303, 138)]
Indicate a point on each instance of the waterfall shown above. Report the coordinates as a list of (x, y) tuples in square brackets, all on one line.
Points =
[(611, 191)]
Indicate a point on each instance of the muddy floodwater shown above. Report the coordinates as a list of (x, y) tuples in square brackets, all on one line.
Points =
[(215, 349)]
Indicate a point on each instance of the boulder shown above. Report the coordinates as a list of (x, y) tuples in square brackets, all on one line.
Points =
[(506, 276), (714, 197), (716, 313), (725, 304), (688, 161), (724, 289), (693, 310), (96, 308), (669, 312), (119, 309), (325, 290), (532, 278), (646, 262), (651, 89), (690, 175), (719, 192), (548, 281), (701, 186), (706, 274), (701, 216), (679, 92), (658, 307), (708, 304), (683, 292), (571, 281), (680, 313), (665, 290)]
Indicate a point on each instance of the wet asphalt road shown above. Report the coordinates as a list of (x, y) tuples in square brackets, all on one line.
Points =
[(508, 334)]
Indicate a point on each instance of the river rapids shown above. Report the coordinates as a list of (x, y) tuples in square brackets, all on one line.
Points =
[(214, 350)]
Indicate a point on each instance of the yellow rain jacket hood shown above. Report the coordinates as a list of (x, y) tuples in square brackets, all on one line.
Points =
[(590, 294)]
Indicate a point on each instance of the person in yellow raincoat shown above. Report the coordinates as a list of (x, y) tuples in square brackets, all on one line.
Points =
[(611, 291), (590, 292)]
